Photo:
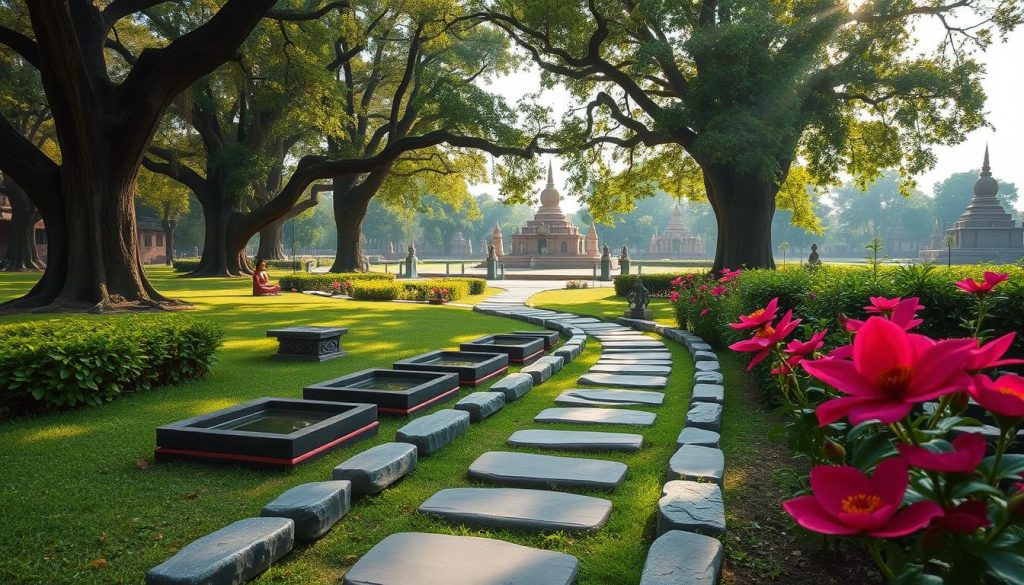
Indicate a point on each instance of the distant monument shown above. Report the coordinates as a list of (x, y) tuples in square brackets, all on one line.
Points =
[(550, 240), (675, 240), (496, 241), (814, 259), (985, 231)]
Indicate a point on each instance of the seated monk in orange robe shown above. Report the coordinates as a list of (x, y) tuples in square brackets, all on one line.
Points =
[(261, 282)]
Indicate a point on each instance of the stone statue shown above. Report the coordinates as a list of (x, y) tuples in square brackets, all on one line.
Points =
[(625, 254), (639, 298), (412, 251), (814, 259), (607, 252), (490, 252)]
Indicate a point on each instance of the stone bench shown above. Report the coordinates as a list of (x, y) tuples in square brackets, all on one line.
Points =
[(683, 558), (691, 506), (513, 386), (481, 405), (313, 344), (433, 431), (234, 554), (314, 507), (376, 468), (697, 463)]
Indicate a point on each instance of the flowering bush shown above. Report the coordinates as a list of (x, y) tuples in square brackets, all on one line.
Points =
[(898, 448), (439, 293), (576, 284)]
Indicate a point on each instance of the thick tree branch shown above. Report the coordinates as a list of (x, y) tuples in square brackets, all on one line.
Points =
[(119, 9), (28, 166), (20, 44)]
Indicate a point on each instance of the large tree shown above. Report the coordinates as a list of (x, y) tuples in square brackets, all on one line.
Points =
[(750, 90)]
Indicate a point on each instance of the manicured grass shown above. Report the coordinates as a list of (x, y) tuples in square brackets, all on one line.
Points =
[(599, 302), (83, 502)]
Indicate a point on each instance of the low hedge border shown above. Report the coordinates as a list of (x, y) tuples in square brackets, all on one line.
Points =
[(417, 290), (322, 281), (658, 285), (74, 361)]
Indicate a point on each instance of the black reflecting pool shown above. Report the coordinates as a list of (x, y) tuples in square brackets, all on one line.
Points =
[(473, 368), (550, 337), (269, 432), (400, 392), (520, 349)]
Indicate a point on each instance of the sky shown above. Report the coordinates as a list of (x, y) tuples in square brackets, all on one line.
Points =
[(1003, 83)]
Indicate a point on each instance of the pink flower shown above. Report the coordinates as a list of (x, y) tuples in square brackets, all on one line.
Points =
[(982, 288), (729, 275), (988, 354), (843, 352), (766, 338), (758, 318), (801, 350), (965, 518), (1004, 395), (968, 451), (902, 313), (336, 285), (704, 312), (702, 288), (882, 305), (846, 502), (891, 370), (673, 296), (717, 291), (677, 281)]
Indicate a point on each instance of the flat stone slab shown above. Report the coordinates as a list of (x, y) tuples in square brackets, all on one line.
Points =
[(695, 436), (576, 440), (433, 431), (555, 361), (697, 463), (708, 393), (707, 366), (594, 416), (635, 354), (619, 396), (539, 371), (378, 467), (635, 369), (314, 507), (481, 405), (700, 346), (419, 558), (513, 386), (705, 415), (623, 380), (641, 345), (234, 554), (518, 508), (566, 354), (708, 378), (683, 558), (616, 359), (691, 506), (546, 471)]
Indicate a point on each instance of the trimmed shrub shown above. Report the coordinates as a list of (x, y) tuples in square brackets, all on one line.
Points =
[(658, 285), (323, 280), (422, 290), (74, 360), (377, 290), (477, 286), (187, 265)]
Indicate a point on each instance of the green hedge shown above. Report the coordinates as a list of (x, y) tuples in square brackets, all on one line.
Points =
[(74, 360), (417, 290), (657, 284), (322, 280), (422, 290), (187, 265), (376, 290)]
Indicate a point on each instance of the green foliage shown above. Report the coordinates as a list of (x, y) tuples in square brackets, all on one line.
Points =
[(187, 265), (376, 290), (72, 361), (422, 290), (658, 285), (322, 281), (418, 290)]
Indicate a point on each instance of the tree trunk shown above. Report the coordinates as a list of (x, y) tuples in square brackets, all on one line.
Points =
[(22, 253), (221, 255), (271, 243), (744, 207), (349, 212), (168, 226)]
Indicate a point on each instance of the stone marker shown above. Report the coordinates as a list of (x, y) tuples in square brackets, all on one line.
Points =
[(555, 361), (314, 507), (700, 346), (705, 415), (708, 393), (481, 405), (691, 506), (634, 369), (620, 396), (707, 366), (683, 558), (539, 371), (708, 378), (546, 471), (378, 467), (623, 380), (695, 436), (704, 356), (576, 440), (518, 508), (592, 416), (234, 554), (407, 558), (697, 463), (513, 386), (433, 431)]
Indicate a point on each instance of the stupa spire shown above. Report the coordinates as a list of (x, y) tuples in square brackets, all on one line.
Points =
[(551, 174), (986, 169)]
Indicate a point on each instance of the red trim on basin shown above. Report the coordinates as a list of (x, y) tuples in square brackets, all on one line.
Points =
[(528, 358), (437, 398), (266, 460), (485, 378)]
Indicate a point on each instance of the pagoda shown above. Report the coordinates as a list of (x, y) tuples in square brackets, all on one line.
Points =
[(675, 240)]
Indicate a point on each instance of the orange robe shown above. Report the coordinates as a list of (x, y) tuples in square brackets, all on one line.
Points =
[(261, 285)]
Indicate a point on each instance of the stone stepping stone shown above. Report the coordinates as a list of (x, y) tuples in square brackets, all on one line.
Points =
[(683, 558), (546, 471), (481, 405), (705, 356), (691, 506), (623, 380), (513, 386), (708, 378), (615, 359), (576, 440), (442, 559), (695, 436), (697, 463), (518, 508), (635, 369), (234, 554), (556, 363), (593, 416), (618, 396), (707, 366), (539, 371), (700, 346), (314, 507), (378, 467), (708, 393), (705, 415), (566, 353), (433, 431), (636, 354)]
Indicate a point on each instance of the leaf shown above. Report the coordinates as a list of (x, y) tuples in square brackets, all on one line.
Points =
[(1011, 466), (872, 450), (1006, 565)]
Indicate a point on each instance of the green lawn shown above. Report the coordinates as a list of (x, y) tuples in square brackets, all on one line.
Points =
[(599, 302), (83, 502)]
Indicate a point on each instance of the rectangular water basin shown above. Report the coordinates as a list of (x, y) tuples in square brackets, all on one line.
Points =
[(550, 337), (269, 432), (473, 368), (398, 392), (520, 349)]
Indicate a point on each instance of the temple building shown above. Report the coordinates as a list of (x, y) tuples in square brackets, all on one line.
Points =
[(675, 240), (550, 240), (985, 232)]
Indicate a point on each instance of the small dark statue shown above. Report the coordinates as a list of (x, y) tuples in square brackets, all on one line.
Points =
[(490, 252), (814, 259), (607, 253), (624, 255), (638, 301)]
